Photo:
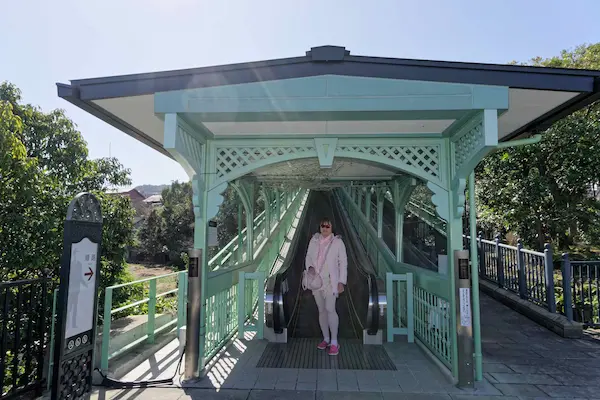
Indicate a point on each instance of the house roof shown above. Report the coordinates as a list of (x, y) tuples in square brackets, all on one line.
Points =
[(131, 192), (539, 95), (155, 198)]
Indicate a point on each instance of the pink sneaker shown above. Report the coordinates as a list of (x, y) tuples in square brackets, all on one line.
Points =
[(333, 350), (323, 345)]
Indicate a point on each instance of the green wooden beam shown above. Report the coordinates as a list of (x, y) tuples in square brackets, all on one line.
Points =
[(325, 96)]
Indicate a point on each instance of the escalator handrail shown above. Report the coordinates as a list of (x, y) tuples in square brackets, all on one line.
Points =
[(426, 262), (275, 317), (363, 264)]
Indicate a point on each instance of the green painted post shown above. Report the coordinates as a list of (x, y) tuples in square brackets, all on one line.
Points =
[(475, 280), (180, 300), (389, 294), (151, 310), (106, 329), (277, 204), (267, 224), (360, 200), (241, 304), (454, 243), (399, 216), (410, 322), (239, 224), (368, 205), (380, 200), (261, 305)]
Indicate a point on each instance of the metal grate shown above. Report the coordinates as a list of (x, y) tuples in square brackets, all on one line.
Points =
[(303, 353)]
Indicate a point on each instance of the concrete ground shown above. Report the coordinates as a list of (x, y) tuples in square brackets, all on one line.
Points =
[(521, 361)]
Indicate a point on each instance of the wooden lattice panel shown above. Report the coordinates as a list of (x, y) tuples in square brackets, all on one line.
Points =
[(468, 144), (190, 147), (422, 158), (231, 158)]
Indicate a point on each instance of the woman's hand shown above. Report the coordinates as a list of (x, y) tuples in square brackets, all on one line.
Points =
[(340, 288)]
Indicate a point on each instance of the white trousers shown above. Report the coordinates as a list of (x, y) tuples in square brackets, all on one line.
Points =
[(328, 318)]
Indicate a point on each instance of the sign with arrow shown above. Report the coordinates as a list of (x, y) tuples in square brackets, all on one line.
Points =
[(76, 307), (82, 284)]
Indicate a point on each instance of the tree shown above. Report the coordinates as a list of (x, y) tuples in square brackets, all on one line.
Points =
[(24, 194), (178, 217), (173, 226), (151, 234), (542, 192), (44, 163)]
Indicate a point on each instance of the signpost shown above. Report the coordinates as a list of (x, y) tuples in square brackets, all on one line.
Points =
[(192, 329), (77, 299), (464, 326)]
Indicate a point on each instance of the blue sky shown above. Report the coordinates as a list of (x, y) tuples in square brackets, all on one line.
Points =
[(44, 42)]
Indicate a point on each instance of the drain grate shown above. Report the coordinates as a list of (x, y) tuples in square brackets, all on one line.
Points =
[(303, 353)]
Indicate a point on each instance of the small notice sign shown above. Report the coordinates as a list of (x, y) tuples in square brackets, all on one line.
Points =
[(465, 306), (82, 288)]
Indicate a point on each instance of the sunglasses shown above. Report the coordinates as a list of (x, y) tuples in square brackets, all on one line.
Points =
[(325, 226)]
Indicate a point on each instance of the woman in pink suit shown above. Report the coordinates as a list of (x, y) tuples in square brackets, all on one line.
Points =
[(327, 257)]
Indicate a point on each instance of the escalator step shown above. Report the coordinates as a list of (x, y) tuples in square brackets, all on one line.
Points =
[(303, 353)]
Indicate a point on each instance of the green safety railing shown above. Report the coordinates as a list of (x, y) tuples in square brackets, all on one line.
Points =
[(431, 291), (425, 212), (236, 251), (400, 307), (246, 303), (222, 316), (224, 304), (151, 330)]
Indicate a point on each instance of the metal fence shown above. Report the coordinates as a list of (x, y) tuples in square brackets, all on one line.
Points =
[(528, 273), (24, 336), (581, 291), (573, 291)]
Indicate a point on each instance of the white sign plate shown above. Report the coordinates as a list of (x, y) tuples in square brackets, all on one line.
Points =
[(213, 235), (82, 285), (465, 306)]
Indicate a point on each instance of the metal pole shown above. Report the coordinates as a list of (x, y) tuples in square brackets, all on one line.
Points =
[(475, 280), (192, 339), (464, 329)]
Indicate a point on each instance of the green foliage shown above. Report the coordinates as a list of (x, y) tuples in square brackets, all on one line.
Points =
[(151, 234), (178, 219), (542, 192), (227, 218), (172, 228), (43, 165), (24, 219)]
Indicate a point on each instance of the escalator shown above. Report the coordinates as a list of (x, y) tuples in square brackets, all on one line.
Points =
[(420, 254), (361, 307), (292, 308)]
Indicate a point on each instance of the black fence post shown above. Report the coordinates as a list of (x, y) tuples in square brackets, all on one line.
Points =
[(44, 317), (499, 261), (566, 284), (77, 299), (523, 292), (481, 250), (549, 270)]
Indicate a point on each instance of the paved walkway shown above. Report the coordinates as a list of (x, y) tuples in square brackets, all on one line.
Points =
[(521, 361), (522, 358)]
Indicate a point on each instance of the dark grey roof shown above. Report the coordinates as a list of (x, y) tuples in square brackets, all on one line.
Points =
[(334, 60)]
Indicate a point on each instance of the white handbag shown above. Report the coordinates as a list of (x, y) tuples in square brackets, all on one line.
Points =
[(312, 280)]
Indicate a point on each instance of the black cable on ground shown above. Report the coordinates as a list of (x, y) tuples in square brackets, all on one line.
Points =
[(117, 384)]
